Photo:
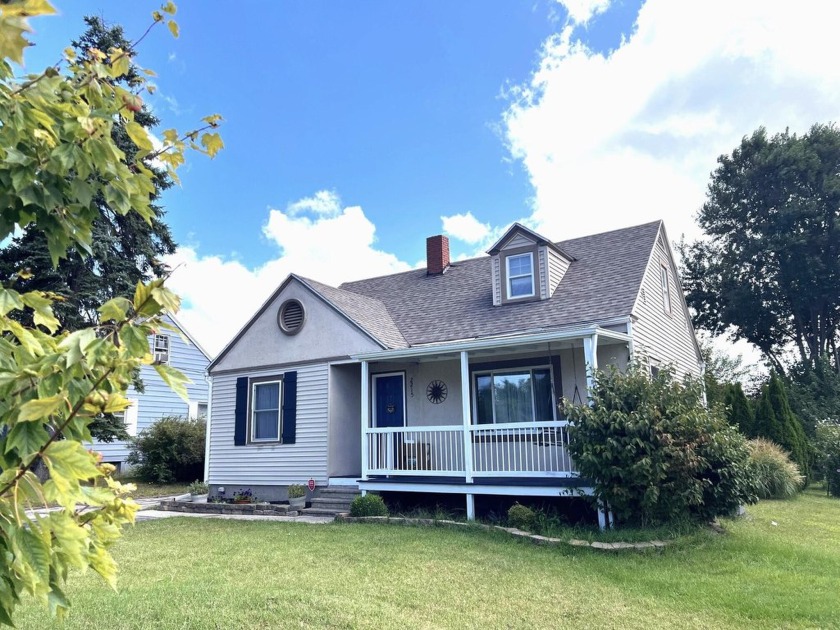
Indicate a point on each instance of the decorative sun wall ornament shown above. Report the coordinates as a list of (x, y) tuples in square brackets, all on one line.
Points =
[(436, 392)]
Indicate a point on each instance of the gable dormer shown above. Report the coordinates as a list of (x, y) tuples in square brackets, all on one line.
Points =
[(525, 266)]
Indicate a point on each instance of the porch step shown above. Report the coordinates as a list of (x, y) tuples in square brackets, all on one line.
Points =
[(332, 501)]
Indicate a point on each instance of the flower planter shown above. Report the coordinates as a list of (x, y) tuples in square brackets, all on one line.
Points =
[(199, 498), (297, 503), (242, 501)]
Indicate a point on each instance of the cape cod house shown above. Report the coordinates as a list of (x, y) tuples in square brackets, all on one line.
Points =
[(445, 379), (157, 400)]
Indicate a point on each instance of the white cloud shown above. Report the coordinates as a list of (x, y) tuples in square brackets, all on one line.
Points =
[(465, 227), (323, 202), (630, 137), (581, 11), (221, 294)]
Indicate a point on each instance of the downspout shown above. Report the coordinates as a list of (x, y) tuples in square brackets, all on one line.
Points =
[(209, 380)]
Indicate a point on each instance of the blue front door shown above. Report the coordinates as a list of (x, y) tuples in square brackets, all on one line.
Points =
[(389, 400)]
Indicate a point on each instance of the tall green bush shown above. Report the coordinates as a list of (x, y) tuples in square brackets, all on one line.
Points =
[(170, 450), (654, 452), (775, 421), (827, 443)]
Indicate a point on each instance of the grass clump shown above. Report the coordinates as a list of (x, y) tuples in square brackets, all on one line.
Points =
[(775, 475), (368, 505), (521, 517)]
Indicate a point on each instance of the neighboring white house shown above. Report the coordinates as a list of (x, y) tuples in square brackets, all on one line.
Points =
[(444, 379), (157, 399)]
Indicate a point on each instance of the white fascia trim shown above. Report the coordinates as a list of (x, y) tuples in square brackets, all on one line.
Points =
[(472, 488), (490, 343)]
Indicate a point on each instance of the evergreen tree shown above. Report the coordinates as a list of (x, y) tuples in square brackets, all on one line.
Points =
[(775, 421), (766, 424), (792, 435), (739, 412)]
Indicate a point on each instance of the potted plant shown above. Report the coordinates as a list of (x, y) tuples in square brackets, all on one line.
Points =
[(297, 496), (199, 491), (243, 496)]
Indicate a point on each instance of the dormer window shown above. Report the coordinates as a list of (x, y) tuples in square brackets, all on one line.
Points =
[(525, 267), (520, 276)]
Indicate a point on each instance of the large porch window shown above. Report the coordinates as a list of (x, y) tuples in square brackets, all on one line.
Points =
[(513, 395)]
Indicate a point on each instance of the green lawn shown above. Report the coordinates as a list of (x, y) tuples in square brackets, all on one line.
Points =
[(192, 573), (147, 490)]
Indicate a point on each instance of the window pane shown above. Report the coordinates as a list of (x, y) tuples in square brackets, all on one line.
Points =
[(521, 286), (267, 396), (265, 425), (513, 397), (520, 265), (542, 396), (484, 399), (201, 409)]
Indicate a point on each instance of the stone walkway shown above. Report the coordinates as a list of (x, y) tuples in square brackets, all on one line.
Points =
[(152, 514), (147, 512)]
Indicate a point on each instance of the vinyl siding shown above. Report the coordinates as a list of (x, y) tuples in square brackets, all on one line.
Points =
[(520, 240), (272, 464), (557, 266), (158, 400), (668, 338)]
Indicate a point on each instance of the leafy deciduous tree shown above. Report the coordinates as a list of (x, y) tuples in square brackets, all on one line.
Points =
[(770, 267), (57, 156)]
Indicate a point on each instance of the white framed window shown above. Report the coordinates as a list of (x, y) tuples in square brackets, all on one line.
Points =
[(265, 411), (666, 289), (655, 366), (197, 409), (520, 275), (129, 417), (513, 395), (161, 348)]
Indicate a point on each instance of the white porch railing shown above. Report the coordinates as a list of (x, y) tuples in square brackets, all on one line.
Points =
[(416, 451), (534, 449)]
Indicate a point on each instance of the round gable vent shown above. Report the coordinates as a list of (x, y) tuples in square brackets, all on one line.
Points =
[(291, 317)]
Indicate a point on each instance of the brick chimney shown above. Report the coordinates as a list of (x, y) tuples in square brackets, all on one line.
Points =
[(437, 255)]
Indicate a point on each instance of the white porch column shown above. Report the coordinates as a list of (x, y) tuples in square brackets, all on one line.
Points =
[(365, 415), (470, 507), (590, 356), (466, 417)]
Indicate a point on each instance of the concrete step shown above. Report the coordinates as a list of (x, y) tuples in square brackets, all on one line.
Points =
[(328, 504), (313, 511), (338, 496)]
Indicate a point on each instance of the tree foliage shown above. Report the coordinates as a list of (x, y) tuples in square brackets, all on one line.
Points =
[(769, 270), (57, 157), (827, 443), (739, 412), (124, 248), (654, 452)]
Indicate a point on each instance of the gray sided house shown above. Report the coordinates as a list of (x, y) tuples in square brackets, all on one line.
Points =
[(157, 399), (444, 379)]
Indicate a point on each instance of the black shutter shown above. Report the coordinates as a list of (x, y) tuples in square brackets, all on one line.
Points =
[(240, 425), (289, 407)]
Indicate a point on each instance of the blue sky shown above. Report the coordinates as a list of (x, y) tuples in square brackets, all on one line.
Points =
[(355, 130)]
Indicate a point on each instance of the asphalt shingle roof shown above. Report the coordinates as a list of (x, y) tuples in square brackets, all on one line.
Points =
[(369, 313), (412, 308)]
